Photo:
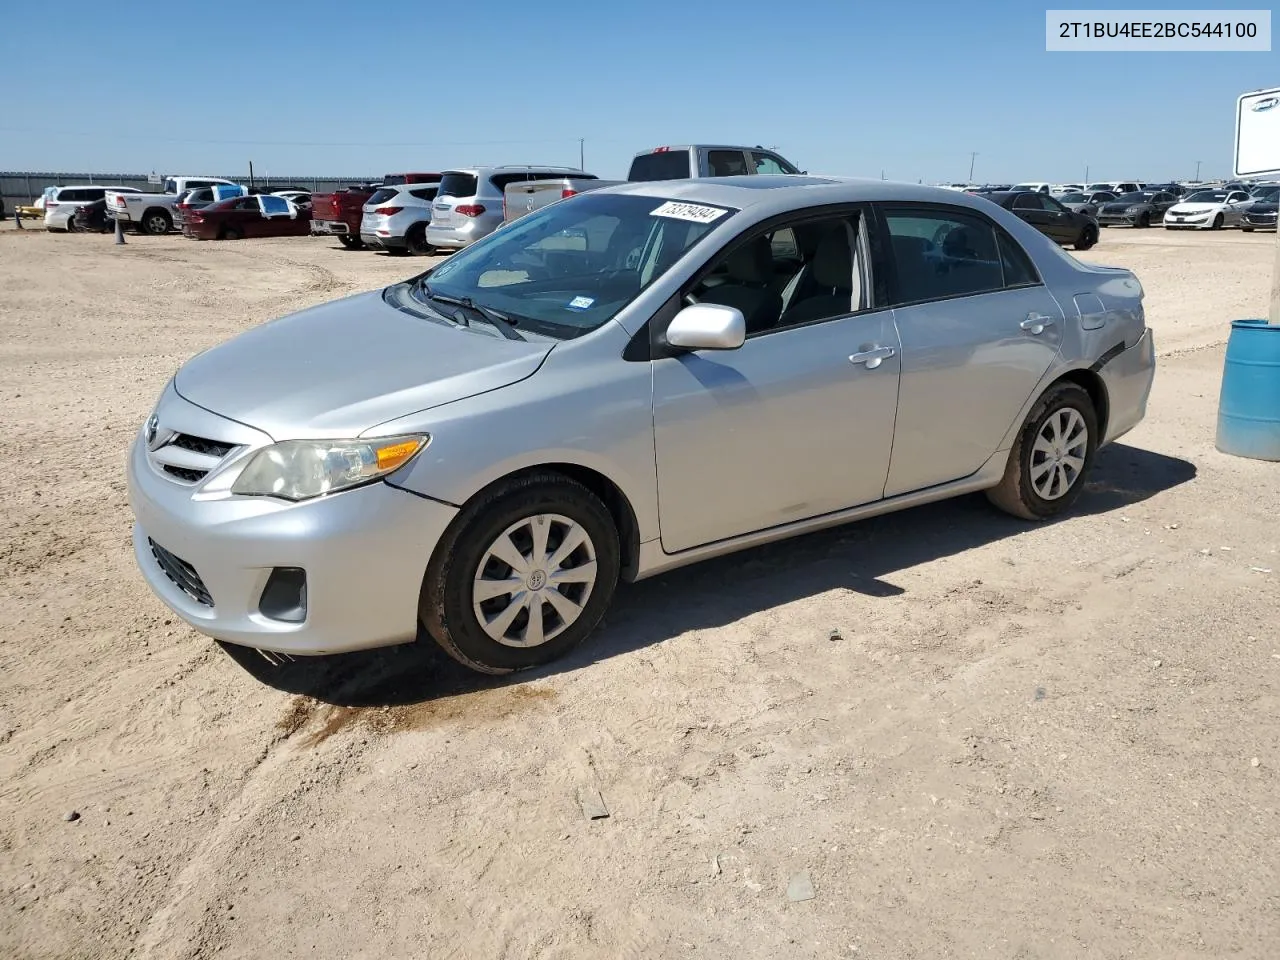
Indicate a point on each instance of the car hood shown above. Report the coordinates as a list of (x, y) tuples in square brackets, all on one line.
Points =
[(342, 368), (1122, 207), (1264, 206), (1194, 207)]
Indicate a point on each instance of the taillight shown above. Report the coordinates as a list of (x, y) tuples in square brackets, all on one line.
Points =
[(120, 201), (469, 209), (50, 204), (387, 211), (566, 193)]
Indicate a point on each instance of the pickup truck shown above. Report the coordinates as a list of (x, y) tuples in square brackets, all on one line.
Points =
[(660, 163), (154, 212), (338, 214)]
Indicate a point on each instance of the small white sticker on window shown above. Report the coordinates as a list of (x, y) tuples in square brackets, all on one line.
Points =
[(693, 212), (581, 303)]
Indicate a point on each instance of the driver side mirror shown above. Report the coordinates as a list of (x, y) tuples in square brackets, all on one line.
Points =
[(708, 326)]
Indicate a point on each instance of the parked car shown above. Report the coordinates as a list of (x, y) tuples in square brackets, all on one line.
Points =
[(153, 212), (1260, 216), (395, 219), (1177, 189), (339, 214), (1049, 217), (92, 217), (523, 197), (705, 160), (468, 205), (61, 203), (249, 216), (1115, 186), (1141, 208), (615, 386), (1208, 210), (1060, 189), (1264, 191), (200, 197), (1034, 187), (1085, 203)]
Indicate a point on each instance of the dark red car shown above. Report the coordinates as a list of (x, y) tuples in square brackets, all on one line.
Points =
[(256, 216)]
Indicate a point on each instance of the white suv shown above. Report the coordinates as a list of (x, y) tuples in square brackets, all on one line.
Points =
[(395, 219), (61, 203)]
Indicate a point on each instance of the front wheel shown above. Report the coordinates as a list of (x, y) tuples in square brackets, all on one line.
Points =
[(1145, 220), (1051, 456), (1217, 222), (1088, 237), (522, 575)]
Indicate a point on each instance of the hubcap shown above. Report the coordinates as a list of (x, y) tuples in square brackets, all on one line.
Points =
[(534, 580), (1057, 456)]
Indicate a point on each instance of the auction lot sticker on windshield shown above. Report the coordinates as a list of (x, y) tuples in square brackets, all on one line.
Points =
[(693, 212)]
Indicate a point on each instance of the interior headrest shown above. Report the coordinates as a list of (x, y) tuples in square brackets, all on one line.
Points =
[(833, 260), (752, 262)]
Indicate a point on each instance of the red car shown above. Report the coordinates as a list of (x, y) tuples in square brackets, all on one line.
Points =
[(257, 216)]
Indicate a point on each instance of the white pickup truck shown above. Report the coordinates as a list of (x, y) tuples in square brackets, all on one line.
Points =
[(153, 212)]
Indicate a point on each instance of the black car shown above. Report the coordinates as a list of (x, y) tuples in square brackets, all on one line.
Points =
[(1049, 217), (1261, 216), (1138, 209), (92, 216)]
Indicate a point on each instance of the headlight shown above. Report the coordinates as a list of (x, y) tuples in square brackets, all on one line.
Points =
[(302, 469), (1134, 209)]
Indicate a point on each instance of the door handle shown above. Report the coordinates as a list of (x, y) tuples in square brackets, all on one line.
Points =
[(872, 357), (1035, 323)]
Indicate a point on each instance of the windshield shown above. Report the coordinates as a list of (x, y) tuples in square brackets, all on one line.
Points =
[(1207, 196), (568, 268), (1031, 187), (1099, 186), (1266, 193), (1073, 198)]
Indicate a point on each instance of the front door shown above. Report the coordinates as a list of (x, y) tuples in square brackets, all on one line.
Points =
[(979, 330), (796, 423)]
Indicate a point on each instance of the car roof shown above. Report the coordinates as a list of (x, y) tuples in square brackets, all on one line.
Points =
[(504, 168), (95, 186), (787, 192), (668, 148)]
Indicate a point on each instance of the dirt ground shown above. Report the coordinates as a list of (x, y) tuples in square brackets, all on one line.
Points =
[(973, 737)]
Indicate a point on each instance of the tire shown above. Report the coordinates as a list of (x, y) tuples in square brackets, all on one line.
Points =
[(1066, 405), (1088, 237), (1217, 222), (156, 222), (71, 224), (231, 233), (1144, 221), (1244, 229), (350, 241), (466, 553), (416, 241)]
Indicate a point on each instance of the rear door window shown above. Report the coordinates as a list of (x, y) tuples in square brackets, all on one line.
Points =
[(665, 165), (458, 185), (726, 163), (938, 254), (1018, 268)]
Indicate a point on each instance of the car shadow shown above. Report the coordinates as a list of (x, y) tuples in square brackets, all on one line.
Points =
[(859, 557)]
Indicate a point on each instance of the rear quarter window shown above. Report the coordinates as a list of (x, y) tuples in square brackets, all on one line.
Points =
[(671, 165), (425, 193), (383, 194)]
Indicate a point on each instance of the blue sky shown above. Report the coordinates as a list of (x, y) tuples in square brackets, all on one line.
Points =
[(906, 88)]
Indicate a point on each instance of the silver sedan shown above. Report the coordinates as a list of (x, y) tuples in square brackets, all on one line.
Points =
[(617, 385)]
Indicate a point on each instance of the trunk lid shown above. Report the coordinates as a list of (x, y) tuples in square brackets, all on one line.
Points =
[(342, 368)]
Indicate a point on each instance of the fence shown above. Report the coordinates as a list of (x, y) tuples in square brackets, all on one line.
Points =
[(23, 188)]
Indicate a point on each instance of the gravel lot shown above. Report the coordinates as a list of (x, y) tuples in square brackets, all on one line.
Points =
[(1023, 742)]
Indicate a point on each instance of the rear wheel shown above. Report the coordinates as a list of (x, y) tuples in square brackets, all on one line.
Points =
[(1088, 237), (232, 233), (416, 241), (156, 222), (71, 224), (522, 575), (350, 241), (1051, 456)]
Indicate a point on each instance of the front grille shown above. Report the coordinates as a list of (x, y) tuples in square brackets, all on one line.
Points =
[(1260, 217), (184, 474), (210, 448), (182, 574)]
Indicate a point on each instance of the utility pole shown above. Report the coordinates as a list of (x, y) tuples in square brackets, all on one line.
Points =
[(581, 160), (1197, 171), (972, 155), (1086, 176), (251, 184)]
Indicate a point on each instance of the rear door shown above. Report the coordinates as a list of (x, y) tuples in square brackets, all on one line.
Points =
[(1028, 207), (1062, 225), (979, 330), (276, 214)]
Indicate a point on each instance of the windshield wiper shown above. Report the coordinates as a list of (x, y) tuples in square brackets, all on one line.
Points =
[(496, 319)]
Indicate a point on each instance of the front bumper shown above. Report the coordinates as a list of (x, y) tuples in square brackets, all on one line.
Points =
[(1201, 221), (1262, 221), (1128, 377), (1120, 219), (364, 552)]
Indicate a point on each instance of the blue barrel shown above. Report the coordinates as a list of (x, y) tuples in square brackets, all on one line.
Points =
[(1249, 406)]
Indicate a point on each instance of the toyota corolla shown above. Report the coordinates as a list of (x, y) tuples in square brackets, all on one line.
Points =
[(619, 384)]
